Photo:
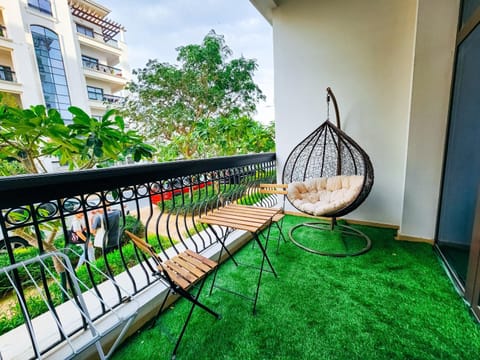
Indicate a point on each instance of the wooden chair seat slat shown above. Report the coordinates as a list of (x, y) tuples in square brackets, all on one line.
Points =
[(256, 210), (195, 263), (181, 271), (190, 267), (218, 221), (247, 219), (212, 264), (278, 217), (184, 284)]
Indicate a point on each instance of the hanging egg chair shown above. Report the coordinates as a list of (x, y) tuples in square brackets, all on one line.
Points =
[(329, 175)]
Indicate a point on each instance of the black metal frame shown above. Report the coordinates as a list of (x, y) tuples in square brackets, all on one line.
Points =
[(327, 152), (465, 27), (343, 229), (263, 249)]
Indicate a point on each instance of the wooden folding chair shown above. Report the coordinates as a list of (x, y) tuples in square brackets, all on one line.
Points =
[(280, 190), (180, 273)]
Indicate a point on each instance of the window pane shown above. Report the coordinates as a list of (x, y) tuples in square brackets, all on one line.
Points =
[(50, 65), (41, 5)]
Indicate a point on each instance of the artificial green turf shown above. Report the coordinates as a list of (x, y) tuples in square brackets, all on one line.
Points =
[(394, 302)]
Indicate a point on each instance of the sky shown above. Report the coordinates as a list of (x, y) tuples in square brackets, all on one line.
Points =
[(155, 28)]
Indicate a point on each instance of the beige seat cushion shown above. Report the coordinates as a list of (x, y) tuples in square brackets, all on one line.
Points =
[(320, 196)]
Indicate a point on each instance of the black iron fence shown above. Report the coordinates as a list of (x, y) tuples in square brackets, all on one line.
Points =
[(100, 37), (94, 65), (161, 202), (112, 99)]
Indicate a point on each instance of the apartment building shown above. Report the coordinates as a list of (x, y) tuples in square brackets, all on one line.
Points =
[(62, 53)]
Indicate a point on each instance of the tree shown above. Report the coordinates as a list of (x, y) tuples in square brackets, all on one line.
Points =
[(29, 135), (167, 101), (230, 136)]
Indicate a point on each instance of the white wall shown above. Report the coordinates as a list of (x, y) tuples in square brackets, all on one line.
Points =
[(434, 54), (363, 50), (389, 64)]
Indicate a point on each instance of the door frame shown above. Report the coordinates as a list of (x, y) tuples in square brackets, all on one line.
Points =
[(472, 286), (471, 289)]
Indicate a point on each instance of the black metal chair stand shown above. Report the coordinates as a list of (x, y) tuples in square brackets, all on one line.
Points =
[(328, 230)]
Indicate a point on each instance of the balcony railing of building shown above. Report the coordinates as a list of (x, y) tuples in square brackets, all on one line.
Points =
[(100, 38), (93, 65), (7, 75), (3, 31), (106, 98), (159, 201), (112, 99)]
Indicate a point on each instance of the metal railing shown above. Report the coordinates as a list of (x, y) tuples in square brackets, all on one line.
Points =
[(7, 74), (93, 65), (161, 202), (112, 99), (100, 38)]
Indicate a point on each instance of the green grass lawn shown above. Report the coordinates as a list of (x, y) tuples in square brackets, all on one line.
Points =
[(394, 302)]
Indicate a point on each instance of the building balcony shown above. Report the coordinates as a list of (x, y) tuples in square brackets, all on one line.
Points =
[(3, 32), (103, 101), (8, 82), (5, 42), (7, 75), (379, 305), (110, 48), (104, 69), (111, 76)]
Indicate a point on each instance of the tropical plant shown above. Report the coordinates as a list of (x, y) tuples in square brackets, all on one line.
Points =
[(30, 135)]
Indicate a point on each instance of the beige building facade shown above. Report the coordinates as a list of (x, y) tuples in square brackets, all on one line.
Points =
[(62, 53)]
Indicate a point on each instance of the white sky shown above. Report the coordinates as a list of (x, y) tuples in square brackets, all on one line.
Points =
[(155, 28)]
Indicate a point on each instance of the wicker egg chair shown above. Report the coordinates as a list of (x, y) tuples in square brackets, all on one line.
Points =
[(329, 175)]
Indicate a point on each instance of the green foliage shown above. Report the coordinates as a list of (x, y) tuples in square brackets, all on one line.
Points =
[(168, 101), (133, 225), (9, 99), (230, 136), (21, 254), (28, 135), (11, 167)]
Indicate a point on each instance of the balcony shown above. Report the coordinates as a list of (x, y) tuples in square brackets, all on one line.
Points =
[(8, 81), (112, 99), (99, 100), (380, 305), (3, 32), (92, 65), (111, 48), (100, 38), (7, 75)]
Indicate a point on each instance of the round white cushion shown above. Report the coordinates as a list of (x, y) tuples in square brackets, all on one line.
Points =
[(320, 196)]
